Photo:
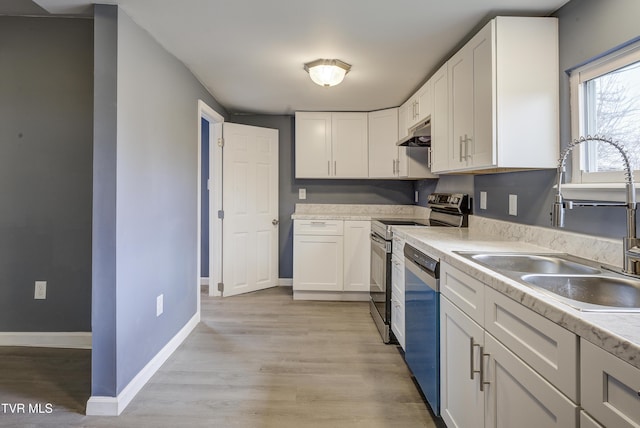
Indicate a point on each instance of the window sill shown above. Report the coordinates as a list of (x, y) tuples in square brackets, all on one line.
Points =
[(607, 192)]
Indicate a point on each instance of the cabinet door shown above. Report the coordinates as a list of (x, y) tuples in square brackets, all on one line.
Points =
[(350, 146), (403, 119), (517, 396), (460, 106), (610, 387), (318, 263), (357, 255), (461, 401), (313, 145), (383, 135), (424, 102), (481, 147), (440, 121), (397, 298)]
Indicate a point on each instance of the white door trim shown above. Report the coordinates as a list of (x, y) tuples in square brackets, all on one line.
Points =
[(215, 225)]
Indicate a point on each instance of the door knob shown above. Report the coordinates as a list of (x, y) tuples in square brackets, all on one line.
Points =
[(275, 222)]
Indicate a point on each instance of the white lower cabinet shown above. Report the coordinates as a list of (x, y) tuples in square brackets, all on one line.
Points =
[(397, 297), (461, 339), (610, 387), (331, 259), (357, 260), (489, 381), (517, 396), (587, 421)]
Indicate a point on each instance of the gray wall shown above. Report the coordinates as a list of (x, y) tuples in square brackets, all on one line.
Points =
[(318, 191), (587, 29), (149, 177), (46, 84)]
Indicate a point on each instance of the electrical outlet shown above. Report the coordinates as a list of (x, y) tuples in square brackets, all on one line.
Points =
[(415, 197), (302, 193), (41, 290), (159, 305), (513, 205), (483, 200)]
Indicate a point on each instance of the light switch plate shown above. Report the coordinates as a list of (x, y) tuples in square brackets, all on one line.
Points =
[(159, 305), (483, 200), (513, 205), (40, 290), (302, 193)]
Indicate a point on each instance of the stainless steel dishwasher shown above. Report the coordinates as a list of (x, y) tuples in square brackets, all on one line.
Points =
[(422, 317)]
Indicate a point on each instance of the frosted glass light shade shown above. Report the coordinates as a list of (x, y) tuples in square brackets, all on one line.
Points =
[(327, 72)]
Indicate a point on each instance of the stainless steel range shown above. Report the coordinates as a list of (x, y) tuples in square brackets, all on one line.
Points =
[(447, 210)]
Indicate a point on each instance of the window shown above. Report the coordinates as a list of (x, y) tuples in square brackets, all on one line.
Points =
[(605, 96)]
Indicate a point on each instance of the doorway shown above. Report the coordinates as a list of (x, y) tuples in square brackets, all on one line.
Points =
[(209, 200)]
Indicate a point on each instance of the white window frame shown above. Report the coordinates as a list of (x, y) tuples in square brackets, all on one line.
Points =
[(604, 186)]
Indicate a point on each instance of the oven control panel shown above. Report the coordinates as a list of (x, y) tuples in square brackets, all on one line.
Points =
[(459, 202)]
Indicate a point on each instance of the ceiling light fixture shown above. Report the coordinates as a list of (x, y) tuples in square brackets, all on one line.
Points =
[(327, 72)]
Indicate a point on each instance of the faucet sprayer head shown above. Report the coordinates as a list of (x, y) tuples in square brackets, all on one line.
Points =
[(557, 215)]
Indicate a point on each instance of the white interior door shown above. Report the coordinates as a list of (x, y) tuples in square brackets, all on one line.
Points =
[(250, 204)]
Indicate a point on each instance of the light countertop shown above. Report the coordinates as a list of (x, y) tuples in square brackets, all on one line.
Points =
[(617, 333)]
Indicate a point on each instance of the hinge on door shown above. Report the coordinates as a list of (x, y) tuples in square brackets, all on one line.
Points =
[(221, 287), (220, 142), (221, 214)]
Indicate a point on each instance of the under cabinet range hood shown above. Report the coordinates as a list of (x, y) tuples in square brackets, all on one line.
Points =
[(419, 135)]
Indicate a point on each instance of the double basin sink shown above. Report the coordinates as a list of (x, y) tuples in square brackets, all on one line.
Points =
[(576, 282)]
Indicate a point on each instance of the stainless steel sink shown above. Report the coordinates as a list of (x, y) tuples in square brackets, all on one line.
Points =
[(591, 292), (533, 263), (579, 283)]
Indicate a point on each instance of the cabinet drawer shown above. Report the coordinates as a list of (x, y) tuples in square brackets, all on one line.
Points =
[(610, 387), (465, 292), (548, 348), (398, 246), (318, 227)]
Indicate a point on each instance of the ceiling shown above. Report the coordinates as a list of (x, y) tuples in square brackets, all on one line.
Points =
[(250, 53)]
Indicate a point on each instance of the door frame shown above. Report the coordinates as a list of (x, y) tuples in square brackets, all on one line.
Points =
[(215, 120)]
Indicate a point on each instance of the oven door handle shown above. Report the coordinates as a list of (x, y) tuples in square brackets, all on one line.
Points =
[(380, 243)]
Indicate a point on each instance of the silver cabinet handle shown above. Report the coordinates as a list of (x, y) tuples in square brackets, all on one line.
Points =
[(461, 148), (466, 146), (429, 157), (482, 381), (329, 168), (318, 223), (335, 167), (394, 167), (472, 345)]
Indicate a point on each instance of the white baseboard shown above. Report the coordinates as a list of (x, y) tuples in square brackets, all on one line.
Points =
[(113, 406), (339, 296), (285, 282), (71, 340)]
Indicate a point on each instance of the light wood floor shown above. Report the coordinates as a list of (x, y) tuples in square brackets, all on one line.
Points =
[(259, 360)]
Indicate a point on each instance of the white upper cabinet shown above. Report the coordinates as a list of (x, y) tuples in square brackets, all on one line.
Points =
[(383, 152), (440, 120), (420, 105), (331, 145), (313, 145), (386, 160), (503, 98)]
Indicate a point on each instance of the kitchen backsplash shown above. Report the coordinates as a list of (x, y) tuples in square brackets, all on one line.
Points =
[(605, 250)]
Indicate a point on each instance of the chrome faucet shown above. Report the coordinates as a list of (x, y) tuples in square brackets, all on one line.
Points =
[(631, 244)]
